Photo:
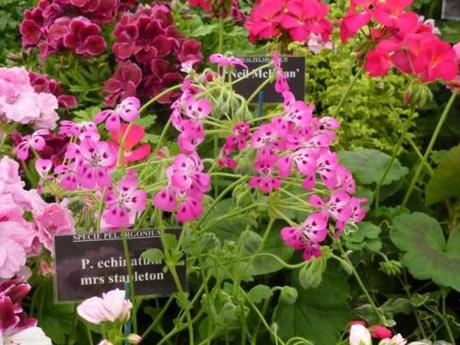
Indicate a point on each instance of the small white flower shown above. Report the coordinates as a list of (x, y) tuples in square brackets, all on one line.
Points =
[(360, 335)]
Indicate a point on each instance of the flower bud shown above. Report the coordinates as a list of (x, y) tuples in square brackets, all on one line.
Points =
[(380, 332), (105, 342), (359, 335), (134, 338)]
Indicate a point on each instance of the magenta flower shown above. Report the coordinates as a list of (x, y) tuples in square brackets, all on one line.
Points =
[(112, 307), (35, 141), (307, 236), (264, 20), (338, 205), (224, 61), (186, 186), (306, 17), (91, 162), (123, 202), (127, 110)]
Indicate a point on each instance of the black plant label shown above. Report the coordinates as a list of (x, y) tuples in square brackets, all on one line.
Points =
[(293, 68), (90, 264), (451, 9)]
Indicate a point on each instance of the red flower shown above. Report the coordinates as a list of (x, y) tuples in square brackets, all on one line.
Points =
[(133, 137)]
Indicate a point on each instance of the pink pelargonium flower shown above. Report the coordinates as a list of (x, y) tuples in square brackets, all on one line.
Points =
[(187, 173), (337, 206), (132, 138), (226, 61), (127, 110), (34, 141), (94, 159), (54, 220), (123, 202), (112, 307), (12, 259), (306, 17), (264, 20), (187, 205)]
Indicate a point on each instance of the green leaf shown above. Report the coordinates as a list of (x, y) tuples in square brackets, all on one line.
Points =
[(369, 165), (56, 319), (445, 182), (319, 314), (365, 237), (450, 30), (153, 255), (427, 255), (260, 293), (146, 121)]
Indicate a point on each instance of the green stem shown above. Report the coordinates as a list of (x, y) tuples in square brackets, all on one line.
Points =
[(216, 200), (429, 149), (157, 97), (388, 166), (259, 89), (348, 89), (444, 293), (360, 283), (90, 336), (129, 268)]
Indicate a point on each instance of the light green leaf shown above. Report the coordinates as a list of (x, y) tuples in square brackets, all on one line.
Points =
[(427, 255), (319, 314), (368, 166), (445, 182)]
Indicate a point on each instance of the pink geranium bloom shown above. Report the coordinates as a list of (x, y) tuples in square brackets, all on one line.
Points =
[(391, 14), (305, 17), (94, 159), (124, 201), (132, 138), (112, 307), (54, 220), (264, 20), (12, 259), (224, 61), (127, 110), (34, 141)]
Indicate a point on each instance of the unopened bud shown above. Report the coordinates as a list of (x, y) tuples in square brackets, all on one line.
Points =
[(134, 338)]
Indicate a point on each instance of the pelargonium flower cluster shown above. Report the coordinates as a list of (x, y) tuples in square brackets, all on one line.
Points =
[(19, 238), (60, 25), (187, 183), (21, 103), (402, 40), (150, 51), (298, 144), (237, 141), (296, 20)]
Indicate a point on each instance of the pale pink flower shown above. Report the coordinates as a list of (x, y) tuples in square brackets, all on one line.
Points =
[(28, 336), (360, 335), (12, 258), (54, 220), (112, 307)]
